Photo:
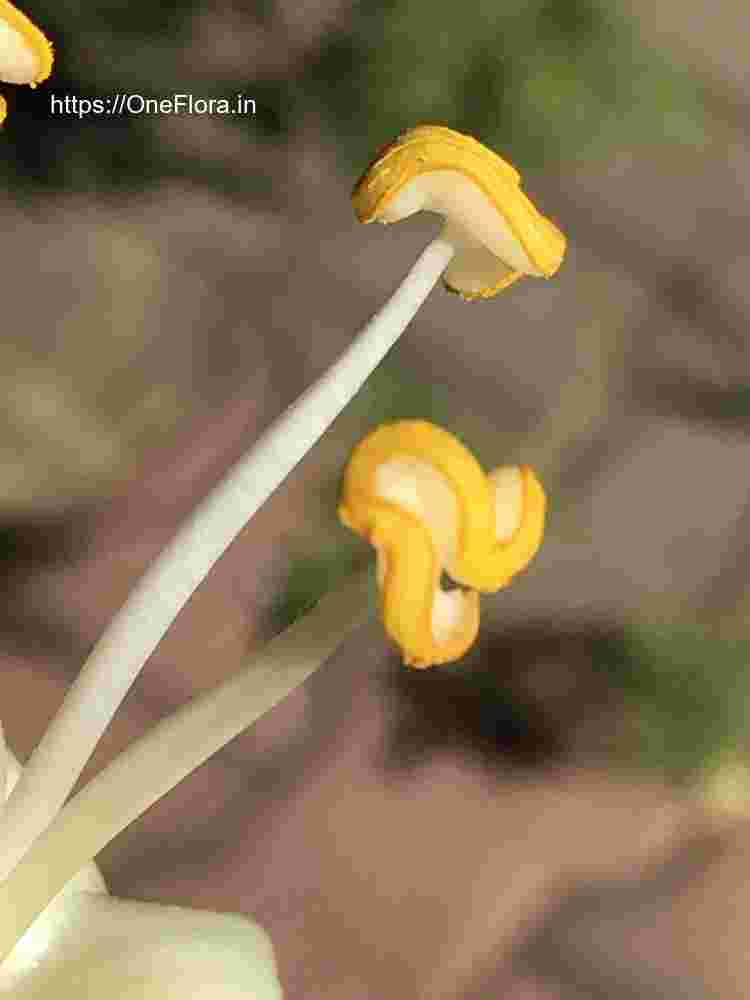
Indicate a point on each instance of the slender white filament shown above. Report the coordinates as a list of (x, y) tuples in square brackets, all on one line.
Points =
[(136, 630), (161, 758)]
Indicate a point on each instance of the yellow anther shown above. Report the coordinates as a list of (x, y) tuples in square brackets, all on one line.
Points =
[(422, 499), (25, 53), (498, 233)]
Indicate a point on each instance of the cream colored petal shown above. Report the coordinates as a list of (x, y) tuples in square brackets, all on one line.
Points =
[(34, 947), (87, 945), (103, 948)]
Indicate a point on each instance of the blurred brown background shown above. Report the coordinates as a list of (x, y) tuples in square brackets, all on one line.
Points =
[(547, 818)]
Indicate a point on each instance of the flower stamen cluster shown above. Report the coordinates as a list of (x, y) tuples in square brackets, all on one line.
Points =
[(411, 488)]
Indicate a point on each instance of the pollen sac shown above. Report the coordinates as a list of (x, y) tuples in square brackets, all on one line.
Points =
[(498, 234), (25, 53), (424, 502)]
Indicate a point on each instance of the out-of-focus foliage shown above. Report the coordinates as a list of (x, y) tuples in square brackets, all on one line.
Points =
[(543, 80), (309, 577), (689, 692), (394, 393), (734, 406)]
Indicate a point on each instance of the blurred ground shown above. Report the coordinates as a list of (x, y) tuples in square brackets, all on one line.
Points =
[(393, 838)]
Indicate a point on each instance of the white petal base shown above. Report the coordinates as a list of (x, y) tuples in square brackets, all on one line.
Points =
[(88, 945), (101, 948)]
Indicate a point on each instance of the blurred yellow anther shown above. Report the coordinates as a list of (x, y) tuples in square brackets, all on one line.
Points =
[(498, 233), (25, 53), (422, 499)]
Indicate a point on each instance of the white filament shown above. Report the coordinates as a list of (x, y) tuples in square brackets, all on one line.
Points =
[(167, 585)]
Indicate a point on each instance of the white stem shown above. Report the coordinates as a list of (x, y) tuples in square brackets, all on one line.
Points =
[(160, 759), (165, 588)]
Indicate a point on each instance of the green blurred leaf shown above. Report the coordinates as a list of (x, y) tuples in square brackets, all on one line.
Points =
[(394, 393), (556, 79), (734, 404), (542, 81), (689, 691), (311, 576)]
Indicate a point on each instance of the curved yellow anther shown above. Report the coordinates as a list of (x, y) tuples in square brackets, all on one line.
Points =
[(422, 499), (498, 233), (25, 53)]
